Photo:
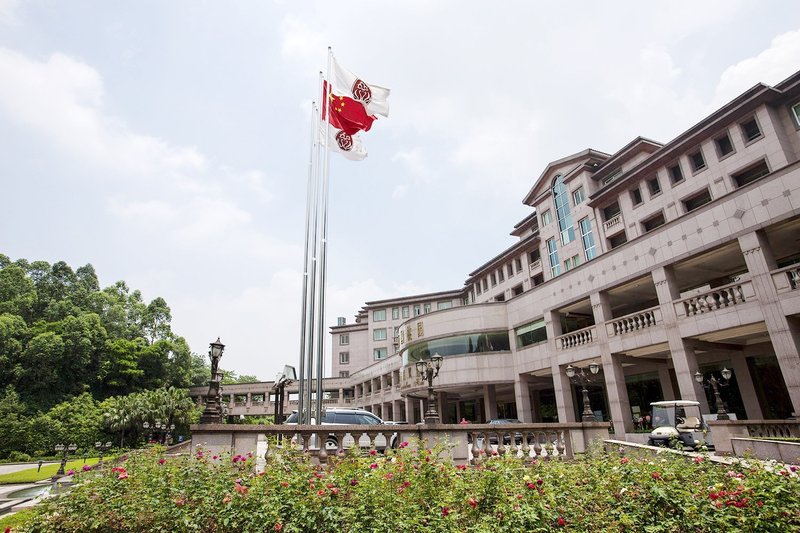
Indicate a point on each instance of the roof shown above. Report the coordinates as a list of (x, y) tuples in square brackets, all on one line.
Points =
[(589, 153)]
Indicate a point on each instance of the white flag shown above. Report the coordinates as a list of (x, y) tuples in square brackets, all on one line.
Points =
[(350, 146), (374, 97)]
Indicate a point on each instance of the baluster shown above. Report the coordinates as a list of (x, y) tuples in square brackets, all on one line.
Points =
[(526, 449), (560, 444), (537, 446), (501, 448), (322, 455), (475, 450), (487, 446)]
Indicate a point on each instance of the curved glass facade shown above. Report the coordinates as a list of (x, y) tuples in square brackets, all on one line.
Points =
[(561, 199), (493, 341)]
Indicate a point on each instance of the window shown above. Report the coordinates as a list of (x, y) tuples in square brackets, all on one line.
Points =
[(344, 338), (617, 240), (444, 305), (724, 145), (588, 239), (617, 173), (532, 333), (395, 313), (636, 196), (406, 313), (653, 222), (500, 275), (396, 335), (518, 264), (750, 130), (562, 210), (344, 358), (796, 114), (571, 263), (494, 279), (654, 186), (510, 269), (379, 353), (675, 173), (426, 308), (534, 256), (485, 285), (547, 217), (611, 211), (379, 315), (578, 196), (379, 334), (697, 160), (341, 321), (500, 297), (751, 173), (417, 310), (552, 252), (700, 199), (516, 291), (344, 373), (538, 279), (478, 288)]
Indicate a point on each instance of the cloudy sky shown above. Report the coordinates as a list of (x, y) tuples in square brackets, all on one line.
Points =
[(166, 142)]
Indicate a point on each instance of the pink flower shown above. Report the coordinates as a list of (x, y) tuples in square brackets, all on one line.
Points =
[(373, 465), (530, 485), (227, 499), (519, 496), (698, 459), (335, 491), (86, 468), (372, 452), (561, 521), (404, 444), (389, 475), (656, 475), (473, 502), (162, 461), (123, 475), (278, 526), (445, 511), (71, 472), (624, 461)]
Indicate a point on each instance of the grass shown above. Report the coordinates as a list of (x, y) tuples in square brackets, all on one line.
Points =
[(31, 475), (14, 519)]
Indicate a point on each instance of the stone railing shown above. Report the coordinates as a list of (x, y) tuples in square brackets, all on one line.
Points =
[(725, 430), (719, 298), (634, 322), (577, 338), (535, 266), (613, 221), (468, 443), (786, 279)]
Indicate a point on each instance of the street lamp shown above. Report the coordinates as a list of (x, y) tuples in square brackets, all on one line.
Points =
[(68, 449), (212, 413), (170, 431), (101, 448), (580, 377), (281, 380), (147, 432), (722, 414), (426, 371)]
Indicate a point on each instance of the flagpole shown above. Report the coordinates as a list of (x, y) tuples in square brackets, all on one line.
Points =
[(310, 194), (323, 250)]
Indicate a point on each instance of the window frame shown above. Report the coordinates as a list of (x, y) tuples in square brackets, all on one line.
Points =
[(576, 193), (547, 217), (406, 312), (377, 351), (395, 313), (552, 254), (750, 140), (344, 339), (379, 334), (650, 187), (697, 194), (671, 174), (795, 111), (590, 235), (654, 216), (344, 358), (379, 313), (693, 163), (727, 136), (633, 193)]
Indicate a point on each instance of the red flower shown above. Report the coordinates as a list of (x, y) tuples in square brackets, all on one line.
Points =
[(162, 461), (284, 484), (353, 482), (473, 502), (404, 444), (278, 526), (373, 466), (698, 459), (561, 522), (656, 475), (227, 499), (624, 461), (123, 475), (241, 489), (445, 511), (530, 485), (321, 492), (406, 483), (539, 482), (372, 452), (389, 475), (462, 467), (519, 496), (335, 491)]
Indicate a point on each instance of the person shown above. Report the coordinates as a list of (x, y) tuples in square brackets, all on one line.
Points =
[(464, 421)]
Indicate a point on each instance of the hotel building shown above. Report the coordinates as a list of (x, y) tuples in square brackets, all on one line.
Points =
[(655, 262)]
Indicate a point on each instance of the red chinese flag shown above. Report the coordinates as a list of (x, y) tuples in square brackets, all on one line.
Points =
[(346, 114)]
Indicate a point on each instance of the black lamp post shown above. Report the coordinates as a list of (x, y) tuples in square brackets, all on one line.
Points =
[(580, 377), (722, 414), (426, 371), (170, 430), (147, 432), (212, 413), (66, 449), (101, 448)]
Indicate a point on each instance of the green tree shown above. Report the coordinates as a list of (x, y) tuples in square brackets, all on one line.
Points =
[(13, 425)]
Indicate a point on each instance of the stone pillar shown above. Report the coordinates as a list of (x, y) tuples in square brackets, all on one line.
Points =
[(783, 333), (459, 416), (522, 397), (563, 393), (616, 390), (746, 388), (441, 399), (249, 401), (490, 401), (409, 410), (666, 383), (536, 407), (683, 357)]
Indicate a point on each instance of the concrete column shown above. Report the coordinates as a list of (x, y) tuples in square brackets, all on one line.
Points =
[(563, 392), (783, 333), (490, 402), (441, 399), (459, 416), (666, 383), (522, 397), (616, 390), (536, 407), (746, 388), (409, 406), (249, 401), (683, 357)]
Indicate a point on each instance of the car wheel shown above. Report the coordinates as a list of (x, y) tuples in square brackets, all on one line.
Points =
[(331, 443)]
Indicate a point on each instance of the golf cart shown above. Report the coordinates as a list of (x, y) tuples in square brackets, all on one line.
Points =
[(678, 421)]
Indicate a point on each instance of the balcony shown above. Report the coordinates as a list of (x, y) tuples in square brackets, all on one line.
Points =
[(714, 300), (535, 267), (786, 279), (612, 222)]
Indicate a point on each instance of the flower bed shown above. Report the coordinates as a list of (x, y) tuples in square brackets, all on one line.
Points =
[(412, 490)]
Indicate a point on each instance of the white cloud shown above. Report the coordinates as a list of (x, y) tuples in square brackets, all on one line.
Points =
[(8, 15), (771, 66), (302, 44)]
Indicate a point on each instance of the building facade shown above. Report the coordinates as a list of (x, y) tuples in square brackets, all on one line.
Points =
[(655, 262)]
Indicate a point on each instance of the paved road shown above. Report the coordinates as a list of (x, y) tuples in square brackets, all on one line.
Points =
[(7, 469)]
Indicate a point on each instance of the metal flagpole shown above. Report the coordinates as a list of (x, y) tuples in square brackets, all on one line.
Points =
[(323, 245)]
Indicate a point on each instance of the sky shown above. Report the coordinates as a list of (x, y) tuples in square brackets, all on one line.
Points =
[(167, 142)]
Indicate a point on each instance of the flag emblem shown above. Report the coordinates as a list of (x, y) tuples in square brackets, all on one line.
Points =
[(345, 141), (361, 92)]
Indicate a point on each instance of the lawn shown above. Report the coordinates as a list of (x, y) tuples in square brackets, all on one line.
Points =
[(32, 475)]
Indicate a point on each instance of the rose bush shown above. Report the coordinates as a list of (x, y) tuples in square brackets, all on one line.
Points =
[(412, 489)]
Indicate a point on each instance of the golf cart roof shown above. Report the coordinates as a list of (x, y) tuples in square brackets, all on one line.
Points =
[(675, 403)]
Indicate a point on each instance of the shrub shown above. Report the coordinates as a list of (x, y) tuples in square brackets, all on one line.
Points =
[(18, 457), (412, 489)]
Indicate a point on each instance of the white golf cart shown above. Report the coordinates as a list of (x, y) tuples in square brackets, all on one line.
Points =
[(677, 421)]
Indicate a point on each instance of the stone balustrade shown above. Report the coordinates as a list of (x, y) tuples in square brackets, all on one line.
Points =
[(469, 443), (725, 430), (634, 322), (577, 338), (786, 279), (535, 267), (613, 221), (719, 298)]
